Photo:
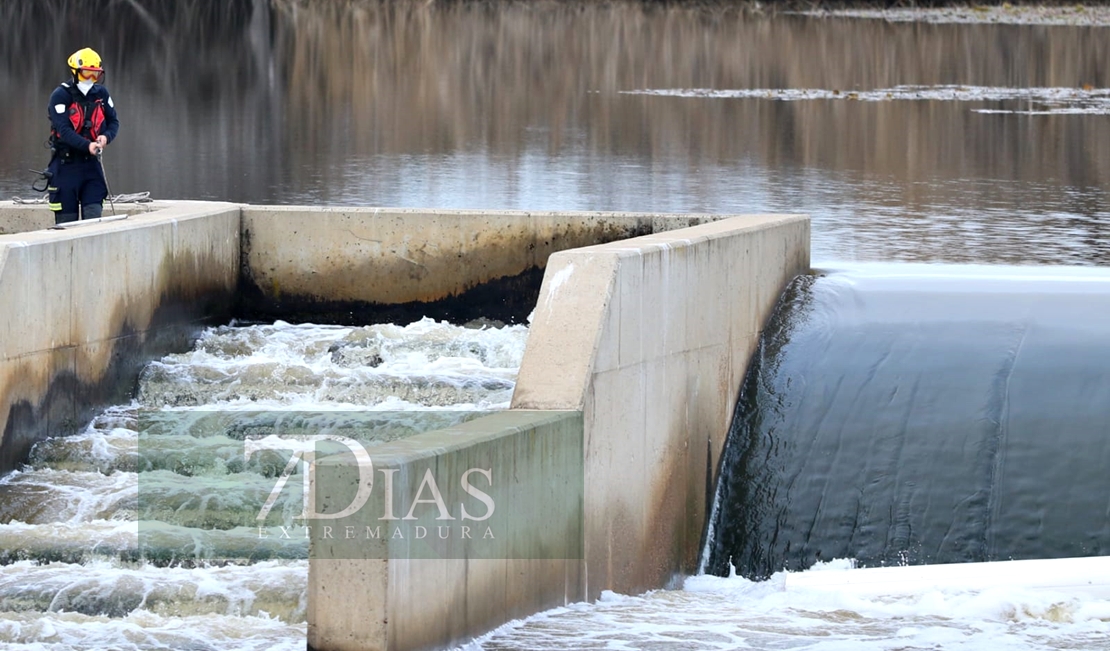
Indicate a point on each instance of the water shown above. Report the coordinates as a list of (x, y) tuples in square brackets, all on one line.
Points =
[(939, 142), (712, 613), (895, 414), (959, 142), (902, 414), (77, 574)]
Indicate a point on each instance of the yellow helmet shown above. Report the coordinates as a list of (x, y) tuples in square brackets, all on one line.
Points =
[(85, 59)]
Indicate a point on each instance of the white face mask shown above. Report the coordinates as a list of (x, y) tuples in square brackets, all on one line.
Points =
[(84, 87)]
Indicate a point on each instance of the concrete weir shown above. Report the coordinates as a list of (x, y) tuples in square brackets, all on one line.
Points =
[(82, 309), (601, 471), (650, 338), (357, 265)]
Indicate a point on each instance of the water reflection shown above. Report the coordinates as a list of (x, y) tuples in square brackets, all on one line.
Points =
[(527, 106)]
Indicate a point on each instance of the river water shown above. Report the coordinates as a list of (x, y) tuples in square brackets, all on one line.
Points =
[(903, 141), (906, 141)]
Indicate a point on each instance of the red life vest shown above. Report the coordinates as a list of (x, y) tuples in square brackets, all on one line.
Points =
[(87, 117), (89, 129)]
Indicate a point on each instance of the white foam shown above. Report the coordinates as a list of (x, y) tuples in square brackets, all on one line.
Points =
[(104, 587), (147, 631), (77, 500), (785, 612), (1065, 576), (307, 366)]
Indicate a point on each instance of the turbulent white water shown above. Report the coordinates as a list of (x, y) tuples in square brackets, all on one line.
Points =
[(734, 613), (73, 575), (422, 365)]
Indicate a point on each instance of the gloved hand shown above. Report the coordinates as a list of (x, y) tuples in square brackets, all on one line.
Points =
[(96, 146)]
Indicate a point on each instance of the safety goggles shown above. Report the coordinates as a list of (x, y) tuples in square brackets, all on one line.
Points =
[(88, 74)]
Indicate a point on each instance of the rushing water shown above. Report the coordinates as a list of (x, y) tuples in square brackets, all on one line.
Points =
[(713, 613), (971, 142), (895, 414), (81, 572), (922, 414)]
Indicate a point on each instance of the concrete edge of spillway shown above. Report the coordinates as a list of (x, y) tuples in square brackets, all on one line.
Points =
[(641, 329)]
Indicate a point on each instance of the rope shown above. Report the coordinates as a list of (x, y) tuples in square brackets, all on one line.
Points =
[(134, 197)]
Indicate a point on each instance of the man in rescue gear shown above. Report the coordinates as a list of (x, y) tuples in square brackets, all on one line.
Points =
[(82, 122)]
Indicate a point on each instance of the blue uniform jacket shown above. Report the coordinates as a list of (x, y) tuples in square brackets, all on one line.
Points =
[(60, 101)]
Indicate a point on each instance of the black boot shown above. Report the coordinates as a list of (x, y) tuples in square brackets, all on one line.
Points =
[(63, 217)]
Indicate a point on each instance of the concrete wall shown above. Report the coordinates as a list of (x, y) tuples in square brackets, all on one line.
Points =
[(651, 338), (24, 217), (103, 286), (645, 341), (83, 309), (648, 339), (366, 265), (395, 593)]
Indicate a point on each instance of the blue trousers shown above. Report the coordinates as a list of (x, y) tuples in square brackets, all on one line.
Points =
[(76, 184)]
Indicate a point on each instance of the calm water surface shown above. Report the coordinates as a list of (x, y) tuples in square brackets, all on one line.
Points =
[(904, 141)]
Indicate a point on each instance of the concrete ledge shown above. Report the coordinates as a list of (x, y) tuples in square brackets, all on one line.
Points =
[(650, 338), (85, 308), (365, 265), (24, 217), (396, 593)]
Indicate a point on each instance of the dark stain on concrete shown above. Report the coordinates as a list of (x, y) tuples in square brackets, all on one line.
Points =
[(193, 299), (509, 299), (190, 302)]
